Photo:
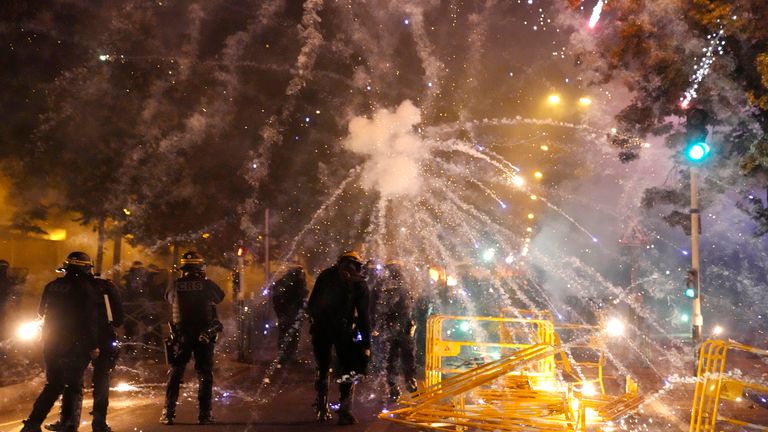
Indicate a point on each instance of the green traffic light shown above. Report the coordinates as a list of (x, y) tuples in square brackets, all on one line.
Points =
[(697, 152), (690, 293)]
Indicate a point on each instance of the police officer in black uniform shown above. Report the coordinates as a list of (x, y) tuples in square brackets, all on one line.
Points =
[(338, 309), (111, 315), (288, 296), (70, 309), (195, 327), (6, 292), (395, 326)]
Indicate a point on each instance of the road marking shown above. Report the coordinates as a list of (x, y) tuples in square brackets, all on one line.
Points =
[(11, 422)]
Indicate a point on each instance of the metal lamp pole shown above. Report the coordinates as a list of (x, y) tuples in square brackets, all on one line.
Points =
[(698, 319)]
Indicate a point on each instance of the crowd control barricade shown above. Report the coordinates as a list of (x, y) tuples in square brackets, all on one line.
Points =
[(724, 391), (507, 374)]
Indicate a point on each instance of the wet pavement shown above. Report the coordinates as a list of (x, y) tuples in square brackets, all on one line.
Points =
[(244, 399)]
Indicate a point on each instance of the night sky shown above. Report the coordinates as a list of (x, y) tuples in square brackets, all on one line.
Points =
[(195, 116)]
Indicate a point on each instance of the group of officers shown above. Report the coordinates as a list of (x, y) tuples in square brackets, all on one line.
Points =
[(81, 313), (355, 308)]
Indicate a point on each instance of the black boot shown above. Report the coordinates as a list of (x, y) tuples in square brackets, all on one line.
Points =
[(167, 416), (205, 418), (30, 427), (346, 391), (55, 427), (394, 393), (322, 412), (101, 427), (411, 386)]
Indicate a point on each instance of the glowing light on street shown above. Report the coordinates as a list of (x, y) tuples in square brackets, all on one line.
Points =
[(588, 389), (544, 147), (509, 259), (538, 174), (614, 327), (104, 57), (554, 99), (585, 101), (534, 197), (451, 281), (127, 212), (57, 234), (717, 331), (124, 387), (684, 318), (434, 274), (488, 254), (29, 331), (598, 9), (531, 216), (518, 181)]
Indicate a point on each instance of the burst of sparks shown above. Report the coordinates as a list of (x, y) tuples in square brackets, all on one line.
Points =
[(701, 70), (596, 13)]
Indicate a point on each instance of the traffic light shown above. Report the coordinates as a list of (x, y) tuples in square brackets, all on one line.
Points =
[(696, 148)]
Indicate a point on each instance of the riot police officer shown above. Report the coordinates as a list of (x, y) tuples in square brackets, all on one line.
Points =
[(288, 296), (395, 326), (69, 306), (110, 313), (338, 309), (6, 291), (195, 327)]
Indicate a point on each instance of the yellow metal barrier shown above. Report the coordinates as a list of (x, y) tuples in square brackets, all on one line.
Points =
[(520, 391), (713, 384), (440, 345)]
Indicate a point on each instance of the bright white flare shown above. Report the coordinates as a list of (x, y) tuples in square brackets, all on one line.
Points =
[(29, 331), (614, 327), (124, 387), (596, 14), (588, 389)]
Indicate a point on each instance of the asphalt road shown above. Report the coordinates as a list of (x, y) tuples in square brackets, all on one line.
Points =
[(244, 401)]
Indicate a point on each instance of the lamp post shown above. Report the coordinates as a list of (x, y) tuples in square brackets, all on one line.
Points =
[(697, 151), (698, 319)]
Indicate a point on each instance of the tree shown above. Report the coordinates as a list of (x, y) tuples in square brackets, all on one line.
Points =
[(654, 48)]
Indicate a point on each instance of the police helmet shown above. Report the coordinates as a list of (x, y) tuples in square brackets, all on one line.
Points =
[(192, 261), (351, 266), (394, 263), (78, 262), (351, 256)]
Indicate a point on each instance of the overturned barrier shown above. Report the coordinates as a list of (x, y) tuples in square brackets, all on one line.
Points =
[(718, 380), (525, 388)]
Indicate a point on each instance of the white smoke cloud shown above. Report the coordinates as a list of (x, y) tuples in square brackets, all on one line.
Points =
[(394, 150)]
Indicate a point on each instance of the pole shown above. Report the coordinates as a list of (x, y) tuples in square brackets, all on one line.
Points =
[(239, 305), (266, 246), (117, 255), (100, 247), (698, 319)]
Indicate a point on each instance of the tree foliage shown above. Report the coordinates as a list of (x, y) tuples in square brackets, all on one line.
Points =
[(654, 47)]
